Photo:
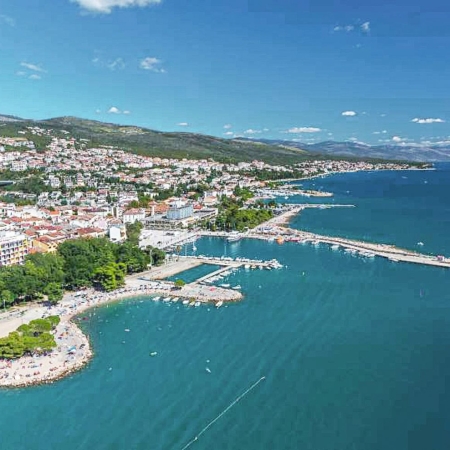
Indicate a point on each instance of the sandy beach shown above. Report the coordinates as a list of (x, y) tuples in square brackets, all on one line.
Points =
[(73, 348)]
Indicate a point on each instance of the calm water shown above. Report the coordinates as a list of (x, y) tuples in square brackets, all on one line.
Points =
[(354, 351)]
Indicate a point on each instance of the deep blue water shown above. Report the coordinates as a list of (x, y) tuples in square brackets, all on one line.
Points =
[(402, 208), (354, 351)]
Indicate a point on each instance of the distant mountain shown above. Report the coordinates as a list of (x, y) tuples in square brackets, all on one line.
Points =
[(425, 153), (149, 142), (7, 118)]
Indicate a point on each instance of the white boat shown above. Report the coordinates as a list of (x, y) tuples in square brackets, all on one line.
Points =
[(335, 247), (219, 304), (157, 299), (225, 285), (191, 303), (247, 266), (185, 302), (420, 244), (234, 237), (175, 299), (236, 288), (197, 304), (207, 369), (167, 299)]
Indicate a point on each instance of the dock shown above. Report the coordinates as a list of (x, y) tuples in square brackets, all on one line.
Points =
[(391, 252)]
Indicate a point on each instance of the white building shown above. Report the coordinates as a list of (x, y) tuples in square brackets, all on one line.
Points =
[(133, 215)]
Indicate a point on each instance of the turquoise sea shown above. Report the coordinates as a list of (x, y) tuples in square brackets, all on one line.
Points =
[(355, 351)]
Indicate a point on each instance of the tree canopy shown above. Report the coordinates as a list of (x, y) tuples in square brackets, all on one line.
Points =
[(31, 338), (78, 263)]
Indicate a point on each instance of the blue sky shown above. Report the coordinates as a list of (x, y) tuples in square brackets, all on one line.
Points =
[(280, 69)]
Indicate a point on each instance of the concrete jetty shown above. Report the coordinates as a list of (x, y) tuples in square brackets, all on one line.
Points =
[(390, 252)]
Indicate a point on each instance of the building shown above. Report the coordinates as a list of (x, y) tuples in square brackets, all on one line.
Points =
[(117, 233), (133, 215), (13, 248), (180, 211)]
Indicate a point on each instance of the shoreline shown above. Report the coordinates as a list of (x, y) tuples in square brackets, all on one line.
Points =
[(74, 350), (319, 175)]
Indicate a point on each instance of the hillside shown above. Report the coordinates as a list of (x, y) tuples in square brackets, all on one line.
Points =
[(156, 143), (149, 142)]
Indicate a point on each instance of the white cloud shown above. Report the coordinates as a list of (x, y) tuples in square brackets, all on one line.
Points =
[(106, 6), (348, 113), (251, 131), (397, 139), (97, 111), (365, 27), (34, 67), (114, 110), (228, 133), (20, 73), (182, 124), (7, 20), (303, 130), (34, 76), (117, 64), (152, 64), (227, 126), (429, 120)]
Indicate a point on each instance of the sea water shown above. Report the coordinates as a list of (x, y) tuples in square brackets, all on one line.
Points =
[(354, 350)]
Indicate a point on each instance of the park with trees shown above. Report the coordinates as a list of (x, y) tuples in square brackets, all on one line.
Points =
[(78, 263), (30, 339)]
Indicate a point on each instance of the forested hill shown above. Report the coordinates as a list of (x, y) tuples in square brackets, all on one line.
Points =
[(157, 143)]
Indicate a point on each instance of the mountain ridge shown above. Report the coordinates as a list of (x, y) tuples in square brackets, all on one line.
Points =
[(405, 152), (190, 145)]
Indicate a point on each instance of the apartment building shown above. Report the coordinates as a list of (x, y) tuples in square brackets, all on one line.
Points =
[(13, 248)]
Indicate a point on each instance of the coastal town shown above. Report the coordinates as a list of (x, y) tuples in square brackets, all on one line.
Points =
[(56, 197), (70, 190)]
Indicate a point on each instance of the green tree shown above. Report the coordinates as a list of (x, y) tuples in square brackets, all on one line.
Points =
[(110, 277), (134, 259), (134, 232), (54, 292), (179, 283), (7, 298)]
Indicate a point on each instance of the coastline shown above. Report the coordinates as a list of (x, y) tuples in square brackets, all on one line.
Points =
[(323, 175), (35, 370), (74, 350)]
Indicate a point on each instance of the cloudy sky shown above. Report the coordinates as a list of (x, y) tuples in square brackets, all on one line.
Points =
[(281, 69)]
